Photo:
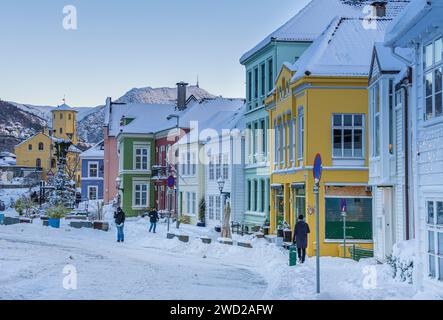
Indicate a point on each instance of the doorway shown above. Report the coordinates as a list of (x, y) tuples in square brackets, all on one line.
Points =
[(279, 207), (388, 221)]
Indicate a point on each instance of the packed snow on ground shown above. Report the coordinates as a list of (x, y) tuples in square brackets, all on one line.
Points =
[(148, 266)]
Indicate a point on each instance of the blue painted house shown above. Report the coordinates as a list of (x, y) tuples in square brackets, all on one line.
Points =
[(93, 172)]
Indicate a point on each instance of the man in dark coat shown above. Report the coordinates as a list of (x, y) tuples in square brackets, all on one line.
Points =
[(301, 232), (154, 218), (120, 218)]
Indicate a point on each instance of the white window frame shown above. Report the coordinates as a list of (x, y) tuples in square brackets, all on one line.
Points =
[(301, 135), (135, 192), (211, 207), (89, 169), (225, 169), (431, 70), (353, 127), (276, 146), (142, 157), (436, 229), (89, 192)]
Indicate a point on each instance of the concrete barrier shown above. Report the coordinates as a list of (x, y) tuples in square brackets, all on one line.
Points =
[(81, 224)]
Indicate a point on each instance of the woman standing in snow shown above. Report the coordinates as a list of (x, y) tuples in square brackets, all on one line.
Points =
[(120, 218)]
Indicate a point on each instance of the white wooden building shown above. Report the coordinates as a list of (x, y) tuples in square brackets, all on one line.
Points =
[(390, 152), (420, 28)]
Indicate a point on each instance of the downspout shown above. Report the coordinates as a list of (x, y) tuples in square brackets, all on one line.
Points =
[(405, 86)]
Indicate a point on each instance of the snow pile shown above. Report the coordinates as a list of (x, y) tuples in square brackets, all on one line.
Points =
[(402, 261)]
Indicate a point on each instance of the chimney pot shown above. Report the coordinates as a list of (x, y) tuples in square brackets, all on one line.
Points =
[(181, 95)]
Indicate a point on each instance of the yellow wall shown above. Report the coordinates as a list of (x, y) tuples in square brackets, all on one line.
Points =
[(27, 158), (67, 121), (320, 99)]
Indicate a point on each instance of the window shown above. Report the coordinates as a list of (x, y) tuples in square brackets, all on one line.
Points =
[(262, 195), (433, 79), (61, 116), (211, 207), (435, 238), (70, 116), (141, 158), (61, 130), (275, 142), (194, 203), (218, 167), (249, 84), (391, 116), (256, 83), (301, 134), (218, 208), (188, 202), (225, 167), (38, 163), (270, 75), (92, 193), (255, 202), (194, 164), (264, 136), (30, 147), (41, 146), (93, 170), (141, 195), (347, 131), (359, 218), (263, 81), (376, 120), (53, 163), (248, 191), (291, 140), (283, 143), (211, 168)]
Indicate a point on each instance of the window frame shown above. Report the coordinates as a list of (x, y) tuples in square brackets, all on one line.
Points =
[(96, 192), (89, 169), (431, 70), (140, 184), (301, 135), (352, 128), (436, 229), (141, 156)]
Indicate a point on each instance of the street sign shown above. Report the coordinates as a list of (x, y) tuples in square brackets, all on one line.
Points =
[(171, 182), (317, 170)]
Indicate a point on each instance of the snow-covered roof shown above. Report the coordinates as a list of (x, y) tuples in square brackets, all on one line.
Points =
[(387, 62), (220, 114), (96, 152), (414, 22), (344, 49), (147, 118), (64, 107), (309, 23)]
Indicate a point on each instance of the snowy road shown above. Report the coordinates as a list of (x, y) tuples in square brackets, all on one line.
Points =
[(148, 266), (33, 269)]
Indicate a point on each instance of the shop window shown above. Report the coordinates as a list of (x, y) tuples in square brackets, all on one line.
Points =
[(359, 218)]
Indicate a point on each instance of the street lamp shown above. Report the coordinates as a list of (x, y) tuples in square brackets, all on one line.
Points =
[(177, 193), (221, 185)]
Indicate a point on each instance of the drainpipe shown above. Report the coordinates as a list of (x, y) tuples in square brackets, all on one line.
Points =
[(405, 86)]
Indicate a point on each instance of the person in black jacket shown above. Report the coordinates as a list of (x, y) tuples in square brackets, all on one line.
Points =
[(120, 218), (154, 218), (301, 232)]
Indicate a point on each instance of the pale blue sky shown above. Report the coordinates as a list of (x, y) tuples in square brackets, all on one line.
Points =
[(124, 44)]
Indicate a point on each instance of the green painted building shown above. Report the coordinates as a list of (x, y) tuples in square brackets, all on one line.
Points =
[(262, 65), (137, 153)]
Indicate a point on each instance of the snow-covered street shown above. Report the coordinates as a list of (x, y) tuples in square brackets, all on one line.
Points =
[(148, 266)]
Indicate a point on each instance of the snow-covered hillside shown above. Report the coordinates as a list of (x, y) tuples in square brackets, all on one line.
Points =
[(32, 118), (161, 95)]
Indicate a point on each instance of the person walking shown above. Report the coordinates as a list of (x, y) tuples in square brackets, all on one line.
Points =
[(301, 232), (154, 218), (120, 218)]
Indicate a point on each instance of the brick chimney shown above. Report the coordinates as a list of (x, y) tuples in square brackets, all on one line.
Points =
[(181, 95)]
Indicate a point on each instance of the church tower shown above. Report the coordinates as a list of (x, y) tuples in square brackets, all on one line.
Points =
[(64, 123)]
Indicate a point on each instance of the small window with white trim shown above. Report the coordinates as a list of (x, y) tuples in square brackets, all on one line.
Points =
[(348, 136), (433, 79), (93, 169), (435, 238), (92, 193)]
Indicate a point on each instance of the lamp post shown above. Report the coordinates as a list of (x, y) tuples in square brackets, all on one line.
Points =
[(177, 182)]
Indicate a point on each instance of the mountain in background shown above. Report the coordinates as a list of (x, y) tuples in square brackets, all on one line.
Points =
[(20, 121)]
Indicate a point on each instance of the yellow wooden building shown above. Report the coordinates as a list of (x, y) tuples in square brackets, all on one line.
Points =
[(320, 106), (38, 151)]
